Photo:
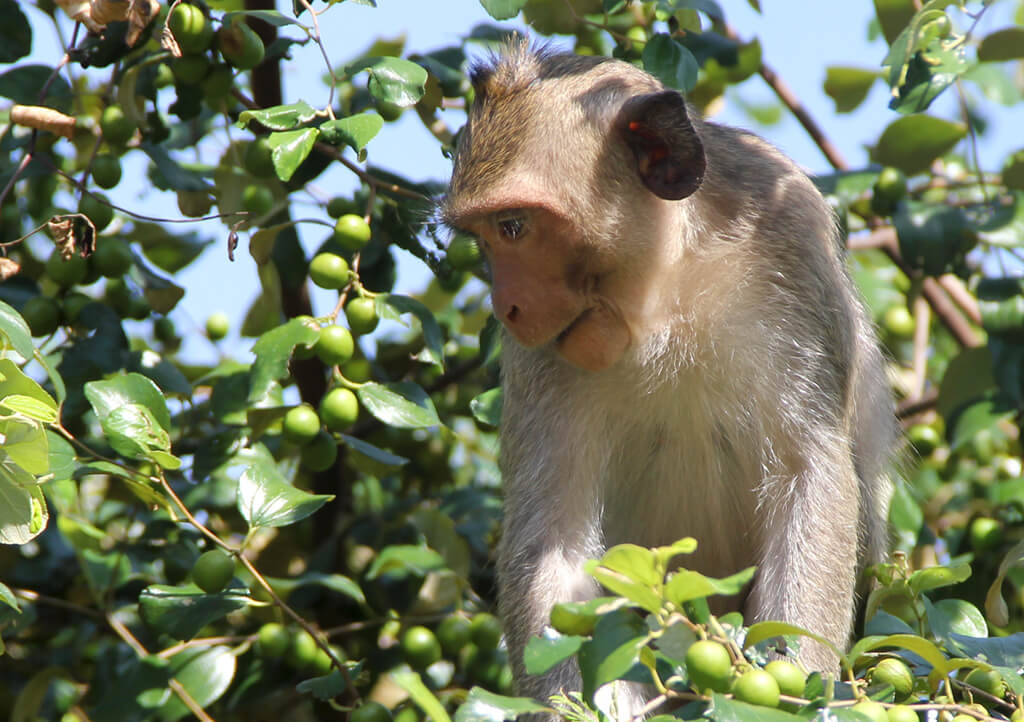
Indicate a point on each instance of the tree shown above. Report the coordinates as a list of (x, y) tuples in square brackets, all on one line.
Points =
[(291, 533)]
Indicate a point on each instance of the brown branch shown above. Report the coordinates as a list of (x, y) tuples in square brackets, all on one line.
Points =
[(909, 408)]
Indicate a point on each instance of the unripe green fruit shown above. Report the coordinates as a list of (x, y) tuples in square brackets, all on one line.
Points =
[(987, 680), (116, 127), (924, 438), (164, 330), (106, 170), (112, 257), (389, 111), (194, 204), (339, 206), (301, 653), (66, 273), (362, 315), (240, 45), (329, 270), (573, 618), (272, 640), (301, 424), (257, 199), (485, 631), (335, 345), (320, 453), (339, 409), (213, 570), (370, 712), (901, 713), (420, 647), (463, 253), (985, 533), (709, 666), (352, 232), (42, 314), (190, 70), (453, 633), (217, 326), (71, 306), (95, 206), (872, 710), (217, 84), (898, 321), (893, 671), (757, 687), (191, 28), (259, 158), (790, 678)]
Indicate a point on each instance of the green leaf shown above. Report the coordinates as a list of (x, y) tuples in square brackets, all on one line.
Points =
[(133, 431), (205, 673), (280, 117), (290, 148), (26, 443), (393, 80), (335, 582), (375, 453), (15, 331), (686, 585), (911, 642), (266, 499), (893, 16), (326, 687), (405, 557), (912, 142), (402, 405), (543, 653), (273, 350), (923, 580), (171, 175), (23, 82), (167, 251), (670, 62), (1005, 44), (273, 17), (421, 695), (354, 131), (615, 648), (767, 630), (111, 394), (968, 377), (486, 407), (8, 598), (733, 710), (432, 337), (1005, 226), (20, 393), (184, 610), (15, 33), (955, 616), (630, 571), (926, 75), (484, 706), (848, 87), (503, 9), (104, 571), (987, 413), (23, 512)]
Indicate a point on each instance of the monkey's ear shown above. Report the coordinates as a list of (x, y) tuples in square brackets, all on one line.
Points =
[(669, 154)]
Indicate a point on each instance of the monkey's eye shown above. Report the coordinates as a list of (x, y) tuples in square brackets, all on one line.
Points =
[(511, 227)]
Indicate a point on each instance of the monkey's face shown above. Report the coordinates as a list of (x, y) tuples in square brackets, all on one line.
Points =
[(546, 285)]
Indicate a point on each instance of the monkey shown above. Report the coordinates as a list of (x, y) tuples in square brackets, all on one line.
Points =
[(684, 352)]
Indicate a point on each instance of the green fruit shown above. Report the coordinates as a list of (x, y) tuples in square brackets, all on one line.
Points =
[(420, 647), (112, 257), (891, 184), (118, 296), (453, 633), (408, 714), (259, 158), (987, 680), (872, 710), (272, 640), (389, 111), (213, 570), (117, 129), (257, 199), (757, 687), (573, 618), (320, 453), (106, 170), (163, 76), (1017, 716), (362, 315), (194, 204), (709, 666), (217, 326), (339, 409), (190, 70), (217, 84), (164, 330), (240, 45), (339, 206), (42, 314), (485, 631), (66, 273), (901, 713), (191, 28), (893, 671), (335, 345), (302, 652), (463, 253), (95, 206), (985, 533), (790, 678), (329, 270), (924, 438), (138, 308), (898, 321), (301, 424), (321, 663), (370, 712), (72, 304), (352, 232)]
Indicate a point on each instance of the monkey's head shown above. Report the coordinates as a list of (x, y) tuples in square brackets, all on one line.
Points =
[(565, 173)]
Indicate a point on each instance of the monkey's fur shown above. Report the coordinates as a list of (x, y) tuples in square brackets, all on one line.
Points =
[(685, 354)]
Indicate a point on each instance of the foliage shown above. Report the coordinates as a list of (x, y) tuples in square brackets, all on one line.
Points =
[(362, 529)]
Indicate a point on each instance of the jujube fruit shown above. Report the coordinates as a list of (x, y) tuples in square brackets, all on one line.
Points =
[(361, 314), (190, 27), (329, 270), (352, 232), (339, 409), (213, 570), (420, 647), (272, 640), (757, 687), (301, 424), (335, 345), (709, 666)]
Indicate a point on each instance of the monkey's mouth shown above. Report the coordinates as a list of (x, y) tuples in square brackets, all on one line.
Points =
[(572, 326)]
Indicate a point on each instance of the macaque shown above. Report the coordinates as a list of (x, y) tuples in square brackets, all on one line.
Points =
[(684, 352)]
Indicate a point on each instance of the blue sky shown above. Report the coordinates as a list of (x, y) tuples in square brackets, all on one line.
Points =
[(800, 39)]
